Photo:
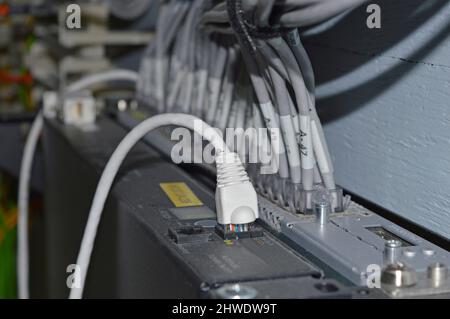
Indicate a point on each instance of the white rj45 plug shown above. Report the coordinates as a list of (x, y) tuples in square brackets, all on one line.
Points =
[(236, 199)]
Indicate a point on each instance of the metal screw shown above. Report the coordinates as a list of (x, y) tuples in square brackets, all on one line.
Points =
[(322, 212), (391, 251), (236, 291)]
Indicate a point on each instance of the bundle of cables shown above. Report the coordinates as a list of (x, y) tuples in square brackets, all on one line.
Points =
[(234, 64), (241, 64)]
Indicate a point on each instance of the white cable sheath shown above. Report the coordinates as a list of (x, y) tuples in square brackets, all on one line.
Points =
[(112, 75), (22, 226), (278, 149), (27, 164), (110, 171), (292, 151)]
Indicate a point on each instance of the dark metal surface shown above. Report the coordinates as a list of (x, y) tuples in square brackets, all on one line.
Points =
[(12, 140)]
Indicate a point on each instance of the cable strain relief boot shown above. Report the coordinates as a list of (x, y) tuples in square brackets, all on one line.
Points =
[(236, 199)]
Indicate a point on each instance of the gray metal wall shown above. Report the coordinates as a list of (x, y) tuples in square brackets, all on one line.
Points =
[(385, 97)]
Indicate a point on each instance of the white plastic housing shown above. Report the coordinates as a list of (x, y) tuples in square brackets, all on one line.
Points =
[(236, 199), (236, 204), (79, 109)]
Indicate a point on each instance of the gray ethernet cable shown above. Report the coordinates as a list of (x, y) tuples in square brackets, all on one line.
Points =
[(301, 97), (316, 13), (179, 71), (286, 114), (242, 110), (318, 140), (188, 46), (130, 9), (287, 127), (303, 61), (202, 59), (159, 60), (289, 13), (215, 81), (146, 73), (223, 110), (269, 116), (168, 26), (309, 122)]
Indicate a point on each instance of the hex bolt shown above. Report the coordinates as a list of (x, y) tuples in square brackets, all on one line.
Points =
[(398, 275), (437, 274)]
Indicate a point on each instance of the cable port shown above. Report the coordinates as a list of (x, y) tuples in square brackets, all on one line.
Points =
[(189, 234), (238, 231)]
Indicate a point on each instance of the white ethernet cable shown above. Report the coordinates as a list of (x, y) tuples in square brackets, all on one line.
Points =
[(27, 164), (102, 77), (294, 74), (22, 226), (236, 199)]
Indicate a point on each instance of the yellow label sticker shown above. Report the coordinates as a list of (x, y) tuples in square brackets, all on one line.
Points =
[(180, 194)]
